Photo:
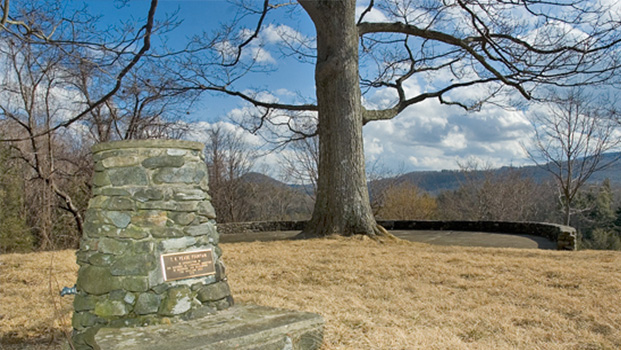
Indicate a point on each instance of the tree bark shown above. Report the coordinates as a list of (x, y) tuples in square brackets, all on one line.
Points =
[(342, 205)]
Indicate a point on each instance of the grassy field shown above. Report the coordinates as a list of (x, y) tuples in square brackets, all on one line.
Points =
[(398, 295)]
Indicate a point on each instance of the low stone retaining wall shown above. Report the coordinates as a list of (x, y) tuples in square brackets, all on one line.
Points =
[(564, 236), (260, 226)]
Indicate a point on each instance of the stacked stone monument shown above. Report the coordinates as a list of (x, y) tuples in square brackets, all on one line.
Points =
[(151, 274), (149, 202)]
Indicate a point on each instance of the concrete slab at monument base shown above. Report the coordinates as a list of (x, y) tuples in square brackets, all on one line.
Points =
[(239, 327)]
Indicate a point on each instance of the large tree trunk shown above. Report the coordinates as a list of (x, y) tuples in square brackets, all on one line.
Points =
[(342, 205)]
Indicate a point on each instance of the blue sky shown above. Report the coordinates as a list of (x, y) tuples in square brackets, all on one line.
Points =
[(426, 136)]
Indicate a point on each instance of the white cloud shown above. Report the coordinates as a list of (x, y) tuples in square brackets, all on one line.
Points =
[(455, 140), (431, 136), (226, 49), (260, 48), (285, 92), (274, 34), (261, 55), (552, 31), (374, 15)]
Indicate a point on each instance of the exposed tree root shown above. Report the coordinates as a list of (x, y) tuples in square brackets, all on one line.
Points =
[(379, 234)]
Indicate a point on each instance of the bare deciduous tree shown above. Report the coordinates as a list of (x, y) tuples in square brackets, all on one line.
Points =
[(406, 201), (300, 165), (146, 106), (44, 44), (48, 25), (506, 194), (30, 105), (493, 45), (571, 139), (228, 159)]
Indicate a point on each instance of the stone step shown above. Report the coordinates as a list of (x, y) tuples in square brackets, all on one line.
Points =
[(241, 327)]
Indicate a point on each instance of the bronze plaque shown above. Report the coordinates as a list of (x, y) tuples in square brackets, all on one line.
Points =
[(178, 266)]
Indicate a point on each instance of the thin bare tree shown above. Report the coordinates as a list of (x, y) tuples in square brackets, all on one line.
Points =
[(572, 137), (300, 163), (229, 158)]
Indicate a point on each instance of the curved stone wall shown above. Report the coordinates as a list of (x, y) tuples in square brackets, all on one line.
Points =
[(565, 236)]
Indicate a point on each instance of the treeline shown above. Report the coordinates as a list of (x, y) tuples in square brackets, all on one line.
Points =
[(45, 188), (42, 211), (510, 195)]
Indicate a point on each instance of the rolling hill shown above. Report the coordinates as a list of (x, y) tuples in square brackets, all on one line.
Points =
[(438, 181)]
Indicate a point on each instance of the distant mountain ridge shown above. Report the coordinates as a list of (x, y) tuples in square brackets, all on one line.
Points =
[(437, 181), (443, 180)]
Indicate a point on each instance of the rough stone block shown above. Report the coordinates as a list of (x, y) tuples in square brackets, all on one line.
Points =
[(183, 219), (130, 176), (110, 308), (118, 218), (133, 265), (176, 152), (147, 303), (135, 283), (188, 174), (114, 192), (82, 302), (98, 202), (206, 209), (99, 259), (119, 203), (101, 179), (133, 232), (176, 244), (115, 162), (168, 205), (166, 232), (150, 218), (201, 230), (213, 292), (177, 301), (149, 194), (84, 319), (189, 195), (112, 246), (96, 280), (129, 298), (241, 328), (163, 162)]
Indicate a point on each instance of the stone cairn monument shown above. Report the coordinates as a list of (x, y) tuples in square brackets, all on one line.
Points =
[(150, 246), (149, 254)]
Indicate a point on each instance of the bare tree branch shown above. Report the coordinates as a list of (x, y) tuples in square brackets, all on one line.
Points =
[(147, 28)]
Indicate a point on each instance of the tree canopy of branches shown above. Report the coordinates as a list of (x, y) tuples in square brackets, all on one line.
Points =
[(72, 38), (68, 82), (463, 53)]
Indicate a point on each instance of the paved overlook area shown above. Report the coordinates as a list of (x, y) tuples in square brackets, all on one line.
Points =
[(455, 238)]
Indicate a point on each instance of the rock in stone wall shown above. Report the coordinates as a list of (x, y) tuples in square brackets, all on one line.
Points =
[(149, 198)]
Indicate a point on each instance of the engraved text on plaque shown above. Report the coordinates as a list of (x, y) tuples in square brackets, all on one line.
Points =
[(177, 266)]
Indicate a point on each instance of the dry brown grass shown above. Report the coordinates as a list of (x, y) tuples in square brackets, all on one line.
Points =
[(31, 309), (386, 296)]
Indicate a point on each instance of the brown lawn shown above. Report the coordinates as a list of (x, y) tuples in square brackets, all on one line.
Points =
[(375, 296)]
